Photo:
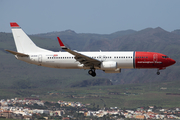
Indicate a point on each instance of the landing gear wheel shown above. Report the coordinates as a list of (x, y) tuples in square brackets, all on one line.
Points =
[(158, 73), (92, 72)]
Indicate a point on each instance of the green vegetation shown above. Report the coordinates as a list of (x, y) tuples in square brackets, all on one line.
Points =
[(122, 96)]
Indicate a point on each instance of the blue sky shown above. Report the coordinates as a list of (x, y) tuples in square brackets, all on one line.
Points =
[(93, 16)]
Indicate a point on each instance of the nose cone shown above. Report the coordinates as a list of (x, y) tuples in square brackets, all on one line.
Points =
[(171, 61)]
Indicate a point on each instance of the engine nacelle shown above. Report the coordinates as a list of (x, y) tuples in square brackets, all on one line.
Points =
[(108, 65)]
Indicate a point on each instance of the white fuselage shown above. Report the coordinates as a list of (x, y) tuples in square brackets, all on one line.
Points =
[(66, 60), (109, 62)]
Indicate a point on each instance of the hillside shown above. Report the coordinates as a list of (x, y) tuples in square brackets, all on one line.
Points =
[(16, 74)]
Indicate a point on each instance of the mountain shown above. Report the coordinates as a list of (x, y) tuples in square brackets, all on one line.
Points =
[(176, 31), (16, 74), (81, 41)]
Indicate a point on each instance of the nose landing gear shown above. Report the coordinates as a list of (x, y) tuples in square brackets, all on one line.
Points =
[(158, 73), (92, 72)]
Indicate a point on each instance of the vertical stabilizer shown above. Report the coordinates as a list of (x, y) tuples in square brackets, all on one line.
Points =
[(23, 43)]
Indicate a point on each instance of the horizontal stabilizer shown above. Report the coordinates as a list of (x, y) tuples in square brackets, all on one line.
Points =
[(18, 54)]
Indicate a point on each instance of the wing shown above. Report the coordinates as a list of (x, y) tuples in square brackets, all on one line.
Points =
[(83, 59)]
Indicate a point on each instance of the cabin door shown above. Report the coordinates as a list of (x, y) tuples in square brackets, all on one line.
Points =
[(155, 58)]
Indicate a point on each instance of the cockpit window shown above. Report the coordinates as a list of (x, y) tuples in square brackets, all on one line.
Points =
[(165, 57)]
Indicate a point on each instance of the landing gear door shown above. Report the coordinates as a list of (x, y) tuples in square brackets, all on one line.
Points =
[(40, 58)]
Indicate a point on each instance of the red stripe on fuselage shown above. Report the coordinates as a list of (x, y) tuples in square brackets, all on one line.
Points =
[(152, 60)]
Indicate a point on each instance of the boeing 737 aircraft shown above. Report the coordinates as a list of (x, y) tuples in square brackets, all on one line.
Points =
[(109, 62)]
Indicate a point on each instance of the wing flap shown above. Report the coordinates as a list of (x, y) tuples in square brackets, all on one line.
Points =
[(18, 54)]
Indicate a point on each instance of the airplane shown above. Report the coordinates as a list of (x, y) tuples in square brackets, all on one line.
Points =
[(109, 62)]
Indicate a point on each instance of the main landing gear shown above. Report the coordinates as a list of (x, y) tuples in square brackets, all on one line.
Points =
[(92, 72)]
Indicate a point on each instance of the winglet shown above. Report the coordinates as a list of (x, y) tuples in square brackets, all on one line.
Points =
[(14, 24), (61, 43)]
